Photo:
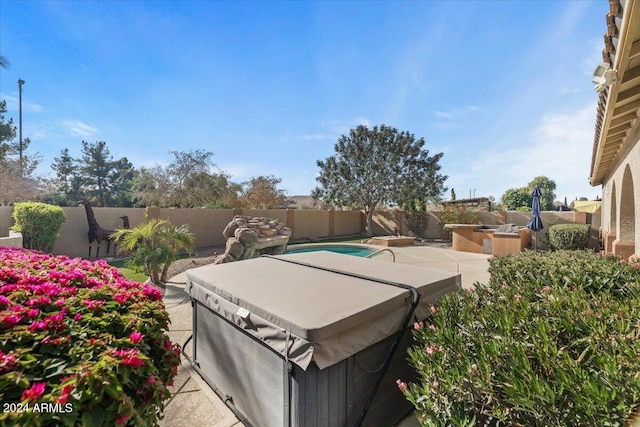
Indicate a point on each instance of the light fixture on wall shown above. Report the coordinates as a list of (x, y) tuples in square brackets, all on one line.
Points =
[(603, 77)]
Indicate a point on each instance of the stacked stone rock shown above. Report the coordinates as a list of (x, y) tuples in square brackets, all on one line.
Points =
[(249, 237)]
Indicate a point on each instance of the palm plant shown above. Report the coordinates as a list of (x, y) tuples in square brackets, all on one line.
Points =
[(153, 246), (178, 238)]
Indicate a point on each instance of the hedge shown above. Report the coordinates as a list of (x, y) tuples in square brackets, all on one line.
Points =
[(552, 340)]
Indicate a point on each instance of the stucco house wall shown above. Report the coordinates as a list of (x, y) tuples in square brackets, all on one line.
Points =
[(621, 201)]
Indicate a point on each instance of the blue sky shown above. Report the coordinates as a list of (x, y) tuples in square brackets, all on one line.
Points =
[(502, 88)]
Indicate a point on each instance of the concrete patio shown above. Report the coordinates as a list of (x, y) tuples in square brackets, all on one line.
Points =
[(193, 402)]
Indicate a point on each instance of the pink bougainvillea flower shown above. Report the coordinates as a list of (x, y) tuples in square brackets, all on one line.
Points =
[(34, 392), (11, 319), (135, 337), (121, 297), (77, 317), (8, 362), (93, 304), (152, 292), (38, 326), (130, 357), (401, 384)]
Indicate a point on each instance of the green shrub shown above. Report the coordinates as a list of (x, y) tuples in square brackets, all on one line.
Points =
[(39, 224), (458, 215), (551, 340), (568, 236)]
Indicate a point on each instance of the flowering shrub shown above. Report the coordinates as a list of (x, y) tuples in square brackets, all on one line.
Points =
[(551, 340), (80, 341)]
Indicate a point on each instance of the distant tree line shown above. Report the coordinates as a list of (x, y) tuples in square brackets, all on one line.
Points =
[(190, 180), (371, 168)]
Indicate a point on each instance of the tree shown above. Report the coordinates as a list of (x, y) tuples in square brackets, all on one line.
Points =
[(515, 198), (16, 180), (65, 184), (103, 179), (186, 182), (547, 189), (4, 62), (379, 166), (262, 192)]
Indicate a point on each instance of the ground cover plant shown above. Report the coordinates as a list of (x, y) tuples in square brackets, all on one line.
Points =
[(81, 342), (552, 340)]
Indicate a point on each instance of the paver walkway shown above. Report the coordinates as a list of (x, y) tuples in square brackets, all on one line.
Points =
[(193, 403)]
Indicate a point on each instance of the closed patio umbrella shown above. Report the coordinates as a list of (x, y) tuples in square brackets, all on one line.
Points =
[(535, 223)]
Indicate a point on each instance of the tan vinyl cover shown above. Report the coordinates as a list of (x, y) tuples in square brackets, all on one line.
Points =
[(308, 313)]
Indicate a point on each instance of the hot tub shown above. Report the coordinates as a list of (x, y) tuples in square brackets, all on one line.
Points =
[(304, 339)]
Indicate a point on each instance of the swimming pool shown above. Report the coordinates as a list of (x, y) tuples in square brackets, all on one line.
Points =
[(354, 250)]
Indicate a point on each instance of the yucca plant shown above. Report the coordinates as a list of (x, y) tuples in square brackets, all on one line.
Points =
[(152, 246)]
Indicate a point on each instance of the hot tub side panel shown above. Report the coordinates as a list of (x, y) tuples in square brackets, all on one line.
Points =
[(241, 369), (256, 379)]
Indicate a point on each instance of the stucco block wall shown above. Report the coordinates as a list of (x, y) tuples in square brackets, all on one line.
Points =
[(206, 224), (347, 222), (309, 223), (384, 223), (621, 196), (72, 237), (6, 220)]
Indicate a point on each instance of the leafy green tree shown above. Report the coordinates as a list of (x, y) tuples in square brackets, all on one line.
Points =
[(515, 198), (262, 192), (547, 189), (379, 166), (188, 181), (103, 179)]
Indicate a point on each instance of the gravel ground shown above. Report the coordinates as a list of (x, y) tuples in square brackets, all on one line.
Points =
[(202, 256)]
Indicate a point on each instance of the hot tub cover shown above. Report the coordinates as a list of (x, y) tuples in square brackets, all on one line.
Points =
[(316, 306)]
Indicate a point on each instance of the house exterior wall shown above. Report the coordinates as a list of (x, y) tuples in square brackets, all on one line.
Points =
[(621, 200)]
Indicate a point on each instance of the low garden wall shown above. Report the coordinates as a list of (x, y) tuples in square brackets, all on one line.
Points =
[(207, 224)]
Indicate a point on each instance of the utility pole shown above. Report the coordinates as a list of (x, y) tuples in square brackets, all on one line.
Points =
[(20, 83)]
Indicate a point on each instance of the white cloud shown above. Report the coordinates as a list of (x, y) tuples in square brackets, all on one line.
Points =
[(78, 128), (443, 115), (558, 148), (13, 103), (318, 137)]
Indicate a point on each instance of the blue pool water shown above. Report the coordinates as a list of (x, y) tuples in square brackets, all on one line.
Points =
[(347, 250)]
